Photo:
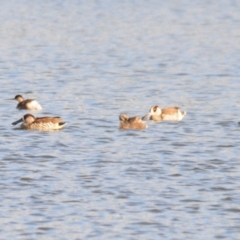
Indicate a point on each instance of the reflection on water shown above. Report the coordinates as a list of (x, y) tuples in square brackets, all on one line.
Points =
[(89, 62)]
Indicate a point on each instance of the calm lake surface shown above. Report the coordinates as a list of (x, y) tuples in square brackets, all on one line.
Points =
[(89, 61)]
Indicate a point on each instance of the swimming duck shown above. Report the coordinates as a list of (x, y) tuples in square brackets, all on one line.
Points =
[(41, 123), (30, 104), (166, 114), (127, 122)]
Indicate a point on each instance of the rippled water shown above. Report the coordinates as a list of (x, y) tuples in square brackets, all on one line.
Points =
[(89, 61)]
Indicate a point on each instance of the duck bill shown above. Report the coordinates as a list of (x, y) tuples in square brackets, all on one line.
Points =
[(146, 117), (18, 121)]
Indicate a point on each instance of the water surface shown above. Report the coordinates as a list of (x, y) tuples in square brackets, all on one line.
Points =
[(90, 61)]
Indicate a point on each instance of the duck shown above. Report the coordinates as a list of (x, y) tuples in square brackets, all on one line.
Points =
[(40, 123), (167, 114), (127, 122), (29, 104)]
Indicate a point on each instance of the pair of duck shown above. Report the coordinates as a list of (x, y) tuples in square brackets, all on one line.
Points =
[(155, 114), (31, 122)]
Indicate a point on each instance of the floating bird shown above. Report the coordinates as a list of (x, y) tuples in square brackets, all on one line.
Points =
[(30, 104), (41, 123), (166, 114), (127, 122)]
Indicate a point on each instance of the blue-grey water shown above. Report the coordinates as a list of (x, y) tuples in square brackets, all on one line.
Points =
[(89, 61)]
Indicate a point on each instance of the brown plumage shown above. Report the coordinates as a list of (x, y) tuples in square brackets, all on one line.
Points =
[(41, 123), (127, 122), (30, 104), (171, 110), (167, 114)]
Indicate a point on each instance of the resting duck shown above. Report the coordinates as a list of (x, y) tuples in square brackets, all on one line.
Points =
[(167, 114), (127, 122), (41, 123), (30, 104)]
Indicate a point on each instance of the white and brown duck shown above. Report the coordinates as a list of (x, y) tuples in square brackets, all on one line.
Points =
[(167, 114), (29, 104)]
